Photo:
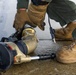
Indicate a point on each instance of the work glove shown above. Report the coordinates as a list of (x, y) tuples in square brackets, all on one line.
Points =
[(21, 19), (37, 13)]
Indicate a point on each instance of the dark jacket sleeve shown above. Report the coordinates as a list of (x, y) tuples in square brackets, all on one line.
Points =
[(22, 4), (48, 0)]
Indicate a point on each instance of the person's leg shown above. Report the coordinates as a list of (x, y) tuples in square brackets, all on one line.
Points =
[(67, 54), (65, 33), (63, 12)]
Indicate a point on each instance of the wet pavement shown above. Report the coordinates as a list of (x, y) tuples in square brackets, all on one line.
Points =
[(44, 67)]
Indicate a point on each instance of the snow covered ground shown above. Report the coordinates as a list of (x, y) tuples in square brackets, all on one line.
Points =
[(7, 14)]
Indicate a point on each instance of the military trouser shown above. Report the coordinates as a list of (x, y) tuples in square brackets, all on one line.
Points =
[(62, 11)]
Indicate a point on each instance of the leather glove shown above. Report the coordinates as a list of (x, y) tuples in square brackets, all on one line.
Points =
[(21, 19), (37, 14)]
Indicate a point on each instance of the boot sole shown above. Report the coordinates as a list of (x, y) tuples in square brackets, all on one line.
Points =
[(64, 40), (64, 61)]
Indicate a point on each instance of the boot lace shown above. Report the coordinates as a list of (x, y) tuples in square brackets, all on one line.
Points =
[(71, 46)]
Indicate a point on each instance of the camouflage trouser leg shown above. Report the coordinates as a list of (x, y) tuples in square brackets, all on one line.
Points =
[(62, 11)]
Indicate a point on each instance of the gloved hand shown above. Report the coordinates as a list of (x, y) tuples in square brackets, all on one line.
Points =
[(37, 14), (21, 19)]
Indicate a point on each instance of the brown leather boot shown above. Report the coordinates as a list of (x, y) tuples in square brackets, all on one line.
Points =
[(67, 54), (65, 33)]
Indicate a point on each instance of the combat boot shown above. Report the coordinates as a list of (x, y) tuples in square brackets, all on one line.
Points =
[(65, 33), (67, 54)]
